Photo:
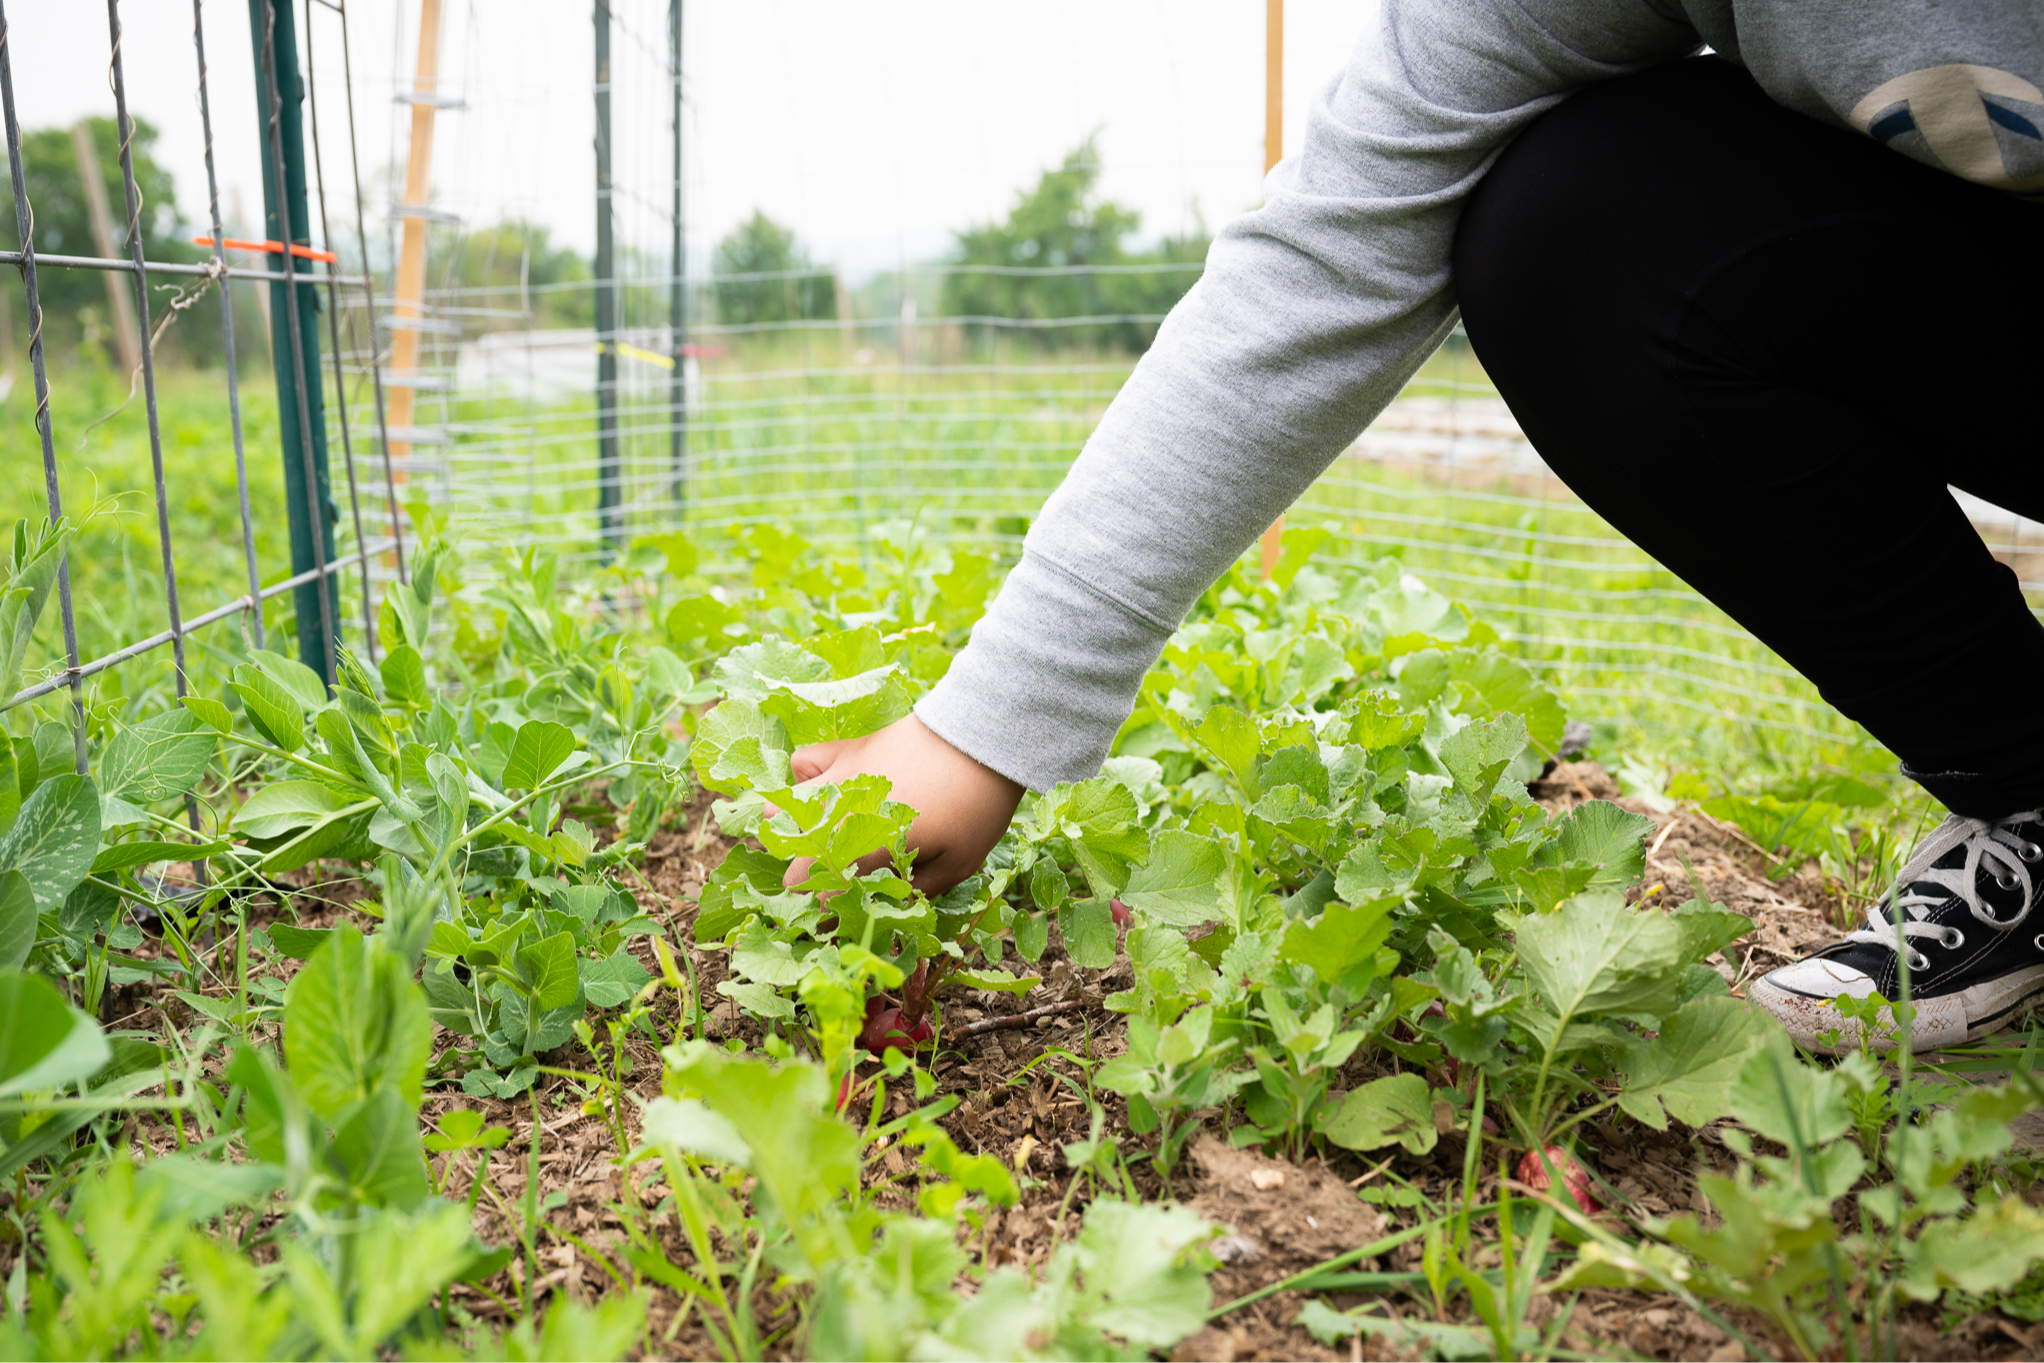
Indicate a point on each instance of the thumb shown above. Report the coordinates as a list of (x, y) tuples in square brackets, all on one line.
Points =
[(814, 760)]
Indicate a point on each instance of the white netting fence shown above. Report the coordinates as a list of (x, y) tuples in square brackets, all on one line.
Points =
[(881, 360)]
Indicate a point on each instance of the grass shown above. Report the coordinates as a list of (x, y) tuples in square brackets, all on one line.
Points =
[(810, 435)]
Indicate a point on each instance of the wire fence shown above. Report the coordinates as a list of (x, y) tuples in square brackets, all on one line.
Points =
[(576, 413), (293, 306)]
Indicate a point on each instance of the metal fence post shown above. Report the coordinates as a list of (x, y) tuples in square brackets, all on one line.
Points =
[(294, 333), (24, 218), (677, 289), (609, 490)]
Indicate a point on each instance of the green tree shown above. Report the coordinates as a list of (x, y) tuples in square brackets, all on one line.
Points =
[(75, 299), (795, 288), (1054, 233), (517, 260)]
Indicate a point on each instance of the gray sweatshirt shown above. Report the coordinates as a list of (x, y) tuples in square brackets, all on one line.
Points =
[(1315, 309)]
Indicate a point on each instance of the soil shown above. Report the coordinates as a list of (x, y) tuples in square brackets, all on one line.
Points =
[(1020, 1099)]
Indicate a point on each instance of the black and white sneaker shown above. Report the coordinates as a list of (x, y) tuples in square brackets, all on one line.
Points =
[(1976, 955)]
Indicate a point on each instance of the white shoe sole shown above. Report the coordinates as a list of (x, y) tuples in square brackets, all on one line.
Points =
[(1946, 1020)]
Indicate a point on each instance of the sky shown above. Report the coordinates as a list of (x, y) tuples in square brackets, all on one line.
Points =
[(875, 128)]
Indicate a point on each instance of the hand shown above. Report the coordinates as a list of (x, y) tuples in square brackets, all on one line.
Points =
[(963, 807)]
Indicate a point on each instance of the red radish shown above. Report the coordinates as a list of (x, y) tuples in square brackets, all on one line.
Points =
[(884, 1029), (844, 1092), (1574, 1178), (1122, 913)]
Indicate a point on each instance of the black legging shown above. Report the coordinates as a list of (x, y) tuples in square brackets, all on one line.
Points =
[(1761, 347)]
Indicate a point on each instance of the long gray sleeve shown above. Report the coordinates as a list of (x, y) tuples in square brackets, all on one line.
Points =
[(1312, 313)]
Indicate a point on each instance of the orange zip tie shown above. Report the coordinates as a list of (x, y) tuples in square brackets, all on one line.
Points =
[(273, 247)]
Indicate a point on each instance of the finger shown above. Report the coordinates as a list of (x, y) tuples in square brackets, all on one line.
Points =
[(797, 872), (814, 760)]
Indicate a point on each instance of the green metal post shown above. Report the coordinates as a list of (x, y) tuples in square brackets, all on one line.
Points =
[(294, 332), (609, 501)]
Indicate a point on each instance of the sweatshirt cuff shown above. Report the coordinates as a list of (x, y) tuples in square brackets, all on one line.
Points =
[(1049, 676)]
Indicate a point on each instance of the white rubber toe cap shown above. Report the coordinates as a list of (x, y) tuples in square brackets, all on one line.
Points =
[(1820, 978)]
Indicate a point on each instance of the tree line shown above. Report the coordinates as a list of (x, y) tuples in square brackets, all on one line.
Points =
[(1062, 251)]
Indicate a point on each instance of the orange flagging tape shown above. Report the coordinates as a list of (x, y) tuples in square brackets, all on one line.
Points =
[(273, 247)]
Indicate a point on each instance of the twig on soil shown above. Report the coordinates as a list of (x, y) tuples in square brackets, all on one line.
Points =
[(1666, 829), (985, 1025)]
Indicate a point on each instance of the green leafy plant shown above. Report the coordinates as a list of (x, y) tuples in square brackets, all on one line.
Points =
[(882, 1283)]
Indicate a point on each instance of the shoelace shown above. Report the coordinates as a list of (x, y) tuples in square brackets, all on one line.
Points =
[(1992, 841)]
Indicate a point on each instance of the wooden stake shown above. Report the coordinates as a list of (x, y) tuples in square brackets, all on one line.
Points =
[(409, 301), (1273, 149), (127, 340)]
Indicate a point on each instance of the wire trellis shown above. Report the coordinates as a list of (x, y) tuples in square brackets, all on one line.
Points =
[(836, 424), (75, 669)]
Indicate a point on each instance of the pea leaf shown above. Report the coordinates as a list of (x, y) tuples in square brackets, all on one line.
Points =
[(404, 676), (211, 713), (54, 838), (539, 749), (608, 983), (301, 944), (276, 715), (355, 1022), (123, 855), (300, 681), (17, 919), (378, 1145), (284, 806), (547, 969), (45, 1043), (12, 778), (162, 756)]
